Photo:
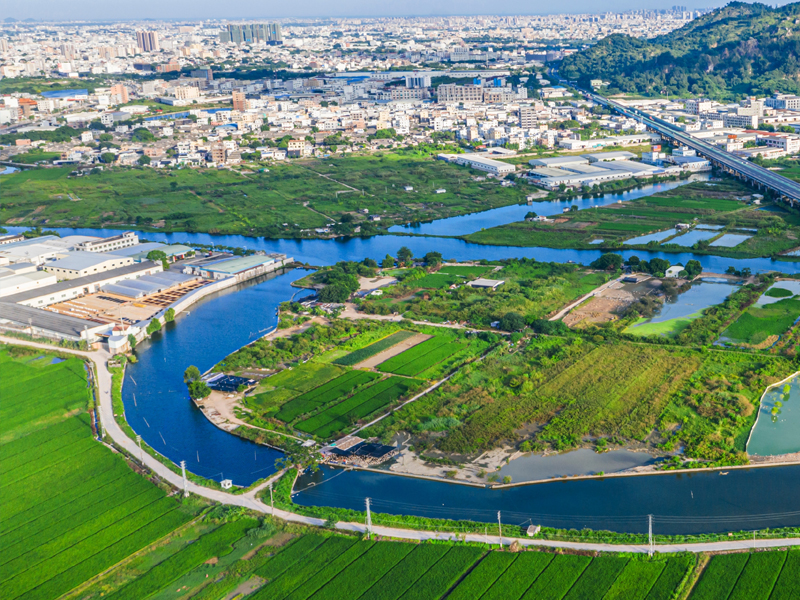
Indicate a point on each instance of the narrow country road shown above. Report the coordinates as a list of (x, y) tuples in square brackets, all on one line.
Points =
[(249, 500)]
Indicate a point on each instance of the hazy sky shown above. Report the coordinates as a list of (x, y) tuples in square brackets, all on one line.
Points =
[(64, 10)]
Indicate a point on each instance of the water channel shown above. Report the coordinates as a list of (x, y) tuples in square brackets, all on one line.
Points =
[(158, 408), (473, 222)]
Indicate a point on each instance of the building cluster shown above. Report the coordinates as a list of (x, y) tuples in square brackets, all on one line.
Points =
[(90, 289), (754, 127), (329, 45)]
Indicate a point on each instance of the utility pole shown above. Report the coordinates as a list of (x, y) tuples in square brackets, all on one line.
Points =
[(650, 535), (183, 471), (141, 453), (271, 502), (500, 529), (369, 520)]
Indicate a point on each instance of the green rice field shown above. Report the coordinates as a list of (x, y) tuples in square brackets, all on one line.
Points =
[(362, 354), (773, 575), (325, 394), (360, 405), (417, 359), (69, 507), (756, 324), (336, 567)]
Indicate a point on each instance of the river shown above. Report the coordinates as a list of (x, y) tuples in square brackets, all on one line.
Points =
[(466, 224), (158, 408)]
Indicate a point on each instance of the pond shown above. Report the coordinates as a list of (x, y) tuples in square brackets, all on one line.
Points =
[(692, 237), (777, 429), (792, 287), (651, 237), (533, 467), (676, 313), (730, 240)]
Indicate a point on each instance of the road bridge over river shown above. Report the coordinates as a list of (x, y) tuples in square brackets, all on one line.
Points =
[(729, 163)]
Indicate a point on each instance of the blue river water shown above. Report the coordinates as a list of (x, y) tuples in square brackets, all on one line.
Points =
[(473, 222), (158, 408)]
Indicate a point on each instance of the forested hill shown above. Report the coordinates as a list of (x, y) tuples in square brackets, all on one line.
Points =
[(736, 50)]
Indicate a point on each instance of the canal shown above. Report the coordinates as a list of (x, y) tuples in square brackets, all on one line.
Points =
[(158, 408)]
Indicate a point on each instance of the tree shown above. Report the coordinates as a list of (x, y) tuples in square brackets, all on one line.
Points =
[(530, 216), (512, 321), (141, 134), (693, 268), (108, 157), (299, 457), (433, 259), (131, 341), (169, 316), (387, 262), (334, 292), (143, 160), (607, 262), (153, 326), (404, 255), (369, 262), (191, 373)]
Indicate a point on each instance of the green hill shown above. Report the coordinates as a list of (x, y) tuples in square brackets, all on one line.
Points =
[(736, 50)]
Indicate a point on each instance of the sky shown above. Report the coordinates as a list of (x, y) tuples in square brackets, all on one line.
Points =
[(68, 10)]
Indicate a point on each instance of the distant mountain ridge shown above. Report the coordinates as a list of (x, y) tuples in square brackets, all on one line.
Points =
[(736, 50)]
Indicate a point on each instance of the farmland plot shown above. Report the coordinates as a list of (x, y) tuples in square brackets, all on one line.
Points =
[(68, 507)]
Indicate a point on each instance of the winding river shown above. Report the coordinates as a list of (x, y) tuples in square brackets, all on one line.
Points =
[(158, 408)]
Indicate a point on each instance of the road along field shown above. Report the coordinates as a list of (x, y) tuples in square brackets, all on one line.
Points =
[(69, 507)]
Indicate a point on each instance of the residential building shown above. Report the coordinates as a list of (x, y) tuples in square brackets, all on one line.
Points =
[(147, 41), (108, 244)]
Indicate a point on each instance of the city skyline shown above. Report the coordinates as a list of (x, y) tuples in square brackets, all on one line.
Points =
[(93, 10)]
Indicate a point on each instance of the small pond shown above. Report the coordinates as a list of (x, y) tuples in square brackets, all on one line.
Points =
[(677, 312), (777, 430), (691, 238), (729, 240), (651, 237), (534, 467)]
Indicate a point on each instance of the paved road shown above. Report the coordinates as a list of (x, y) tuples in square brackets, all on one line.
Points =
[(248, 500), (765, 177)]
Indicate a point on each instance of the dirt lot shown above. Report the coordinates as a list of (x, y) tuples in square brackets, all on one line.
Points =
[(609, 303)]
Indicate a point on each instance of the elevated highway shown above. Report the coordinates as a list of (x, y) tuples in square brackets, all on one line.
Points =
[(738, 167)]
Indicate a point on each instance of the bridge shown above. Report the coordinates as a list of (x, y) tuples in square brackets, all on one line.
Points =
[(725, 161)]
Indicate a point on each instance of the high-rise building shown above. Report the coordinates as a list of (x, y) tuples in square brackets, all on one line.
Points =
[(147, 41), (250, 33), (527, 117), (239, 101), (121, 91)]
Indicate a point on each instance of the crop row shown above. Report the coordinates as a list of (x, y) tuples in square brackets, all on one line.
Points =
[(43, 437), (57, 523), (598, 577), (364, 572), (559, 576), (670, 578), (79, 550), (635, 581), (328, 571), (286, 558), (216, 543), (325, 394), (361, 404), (34, 555), (483, 576), (283, 585), (104, 558), (362, 354), (376, 402), (430, 359), (444, 574), (70, 485), (518, 577), (719, 577), (66, 401), (756, 576), (413, 353), (406, 573), (41, 472)]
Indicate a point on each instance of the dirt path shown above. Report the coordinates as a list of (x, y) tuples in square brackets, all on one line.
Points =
[(374, 361)]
